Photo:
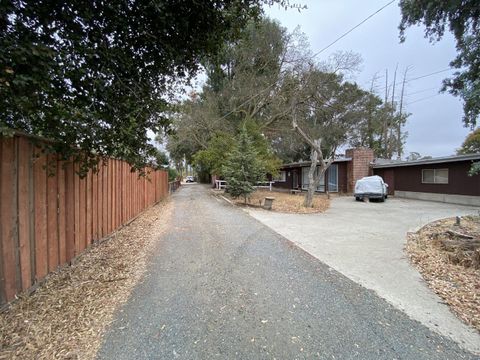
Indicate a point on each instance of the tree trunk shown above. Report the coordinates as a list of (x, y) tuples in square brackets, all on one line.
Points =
[(308, 202), (313, 181)]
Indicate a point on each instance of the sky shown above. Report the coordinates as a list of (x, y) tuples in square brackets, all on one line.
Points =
[(435, 126)]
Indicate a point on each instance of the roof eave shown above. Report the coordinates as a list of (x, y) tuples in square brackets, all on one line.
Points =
[(459, 158)]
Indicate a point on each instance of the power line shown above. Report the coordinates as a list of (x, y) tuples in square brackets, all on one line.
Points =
[(421, 91), (356, 26), (422, 99), (316, 54), (419, 77), (434, 73)]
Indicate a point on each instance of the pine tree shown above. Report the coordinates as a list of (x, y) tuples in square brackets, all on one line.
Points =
[(243, 169)]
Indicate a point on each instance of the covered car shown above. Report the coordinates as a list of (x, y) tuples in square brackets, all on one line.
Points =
[(371, 187)]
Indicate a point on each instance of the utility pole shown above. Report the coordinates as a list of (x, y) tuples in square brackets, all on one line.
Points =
[(400, 111), (384, 123), (369, 119)]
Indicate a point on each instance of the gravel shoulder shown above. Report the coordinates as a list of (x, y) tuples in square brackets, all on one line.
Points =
[(66, 316), (222, 285)]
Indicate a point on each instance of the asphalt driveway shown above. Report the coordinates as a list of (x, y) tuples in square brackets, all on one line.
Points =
[(221, 285), (365, 242)]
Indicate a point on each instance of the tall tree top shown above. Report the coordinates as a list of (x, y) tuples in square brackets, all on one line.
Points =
[(96, 74)]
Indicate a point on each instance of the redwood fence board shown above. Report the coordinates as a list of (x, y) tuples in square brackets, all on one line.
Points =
[(70, 224), (40, 209), (76, 202), (24, 215), (8, 220), (52, 219), (48, 215), (88, 219), (94, 207), (61, 215)]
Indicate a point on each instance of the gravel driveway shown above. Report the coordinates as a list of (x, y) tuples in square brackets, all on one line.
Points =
[(365, 241), (222, 285)]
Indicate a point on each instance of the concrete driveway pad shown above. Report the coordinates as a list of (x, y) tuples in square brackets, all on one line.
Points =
[(365, 242)]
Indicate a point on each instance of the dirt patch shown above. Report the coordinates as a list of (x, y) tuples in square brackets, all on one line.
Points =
[(285, 202), (448, 257), (68, 313)]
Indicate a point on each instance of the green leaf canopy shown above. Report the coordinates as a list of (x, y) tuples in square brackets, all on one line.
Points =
[(96, 75)]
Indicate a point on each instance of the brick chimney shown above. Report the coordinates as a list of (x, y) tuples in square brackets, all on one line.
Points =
[(359, 166)]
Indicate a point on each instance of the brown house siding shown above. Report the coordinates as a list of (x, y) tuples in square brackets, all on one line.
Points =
[(409, 178), (285, 184), (388, 176)]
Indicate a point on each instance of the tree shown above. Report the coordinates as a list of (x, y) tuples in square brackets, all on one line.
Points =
[(211, 161), (471, 144), (161, 159), (96, 75), (475, 169), (378, 127), (240, 90), (413, 156), (462, 18), (172, 174), (324, 111), (243, 169)]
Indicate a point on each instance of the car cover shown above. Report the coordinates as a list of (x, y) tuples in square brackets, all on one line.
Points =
[(370, 185)]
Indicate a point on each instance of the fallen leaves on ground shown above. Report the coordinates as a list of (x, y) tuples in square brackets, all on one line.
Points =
[(68, 313), (285, 202), (456, 282)]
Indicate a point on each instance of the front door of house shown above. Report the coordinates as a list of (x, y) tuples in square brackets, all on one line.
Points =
[(295, 179)]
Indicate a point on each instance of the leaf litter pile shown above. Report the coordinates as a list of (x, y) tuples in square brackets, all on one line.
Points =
[(285, 202), (66, 316), (448, 257)]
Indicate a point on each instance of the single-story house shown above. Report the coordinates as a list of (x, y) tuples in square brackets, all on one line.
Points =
[(339, 177), (442, 179)]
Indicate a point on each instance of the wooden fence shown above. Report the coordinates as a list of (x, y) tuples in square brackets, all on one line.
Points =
[(46, 220)]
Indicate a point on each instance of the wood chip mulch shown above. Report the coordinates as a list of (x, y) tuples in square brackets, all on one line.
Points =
[(285, 202), (66, 316), (448, 257)]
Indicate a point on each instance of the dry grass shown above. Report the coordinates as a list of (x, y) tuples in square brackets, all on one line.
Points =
[(287, 203), (67, 315), (451, 271)]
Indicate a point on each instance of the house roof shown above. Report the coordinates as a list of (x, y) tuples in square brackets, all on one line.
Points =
[(379, 163), (307, 163)]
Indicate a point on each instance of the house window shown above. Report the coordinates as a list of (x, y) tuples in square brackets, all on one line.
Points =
[(435, 176), (281, 176), (305, 170)]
